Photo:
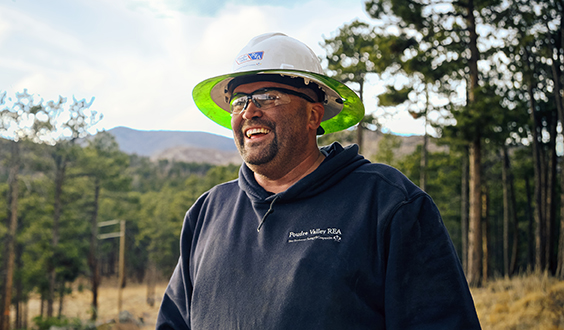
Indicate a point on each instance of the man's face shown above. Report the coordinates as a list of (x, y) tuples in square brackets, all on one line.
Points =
[(275, 134)]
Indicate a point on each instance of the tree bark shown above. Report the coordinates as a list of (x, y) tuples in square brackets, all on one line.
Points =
[(475, 225), (92, 257), (475, 221), (464, 210), (424, 163), (550, 200), (557, 75), (151, 282), (424, 154), (42, 306), (61, 299), (59, 181), (538, 214), (25, 314), (485, 232), (538, 168), (513, 219), (531, 222), (560, 263), (19, 288), (360, 129), (506, 215), (11, 235)]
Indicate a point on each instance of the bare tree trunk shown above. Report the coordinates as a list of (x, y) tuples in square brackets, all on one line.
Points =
[(557, 76), (424, 163), (560, 264), (538, 214), (485, 230), (515, 223), (505, 185), (538, 195), (19, 288), (42, 307), (18, 320), (531, 221), (92, 257), (464, 210), (59, 180), (424, 154), (61, 299), (475, 225), (151, 282), (550, 184), (11, 235), (510, 223), (538, 179), (475, 221), (360, 128), (26, 314)]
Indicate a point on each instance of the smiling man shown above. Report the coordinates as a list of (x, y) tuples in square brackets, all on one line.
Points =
[(307, 237), (278, 145)]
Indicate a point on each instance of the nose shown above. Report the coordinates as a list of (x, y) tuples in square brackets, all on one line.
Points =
[(251, 110)]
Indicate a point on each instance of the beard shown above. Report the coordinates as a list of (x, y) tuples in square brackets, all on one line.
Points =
[(260, 157), (255, 153)]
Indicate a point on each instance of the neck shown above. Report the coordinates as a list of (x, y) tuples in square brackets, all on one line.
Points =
[(278, 183)]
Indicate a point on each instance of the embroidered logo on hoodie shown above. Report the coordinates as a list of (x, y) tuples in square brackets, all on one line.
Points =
[(333, 234)]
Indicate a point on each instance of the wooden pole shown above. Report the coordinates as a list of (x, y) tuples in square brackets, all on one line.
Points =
[(121, 263)]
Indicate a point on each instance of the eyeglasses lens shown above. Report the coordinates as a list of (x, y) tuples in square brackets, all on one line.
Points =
[(263, 99)]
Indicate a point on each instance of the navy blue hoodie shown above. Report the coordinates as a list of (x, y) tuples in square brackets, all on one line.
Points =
[(353, 245)]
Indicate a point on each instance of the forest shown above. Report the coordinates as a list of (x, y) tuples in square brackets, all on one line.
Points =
[(485, 76)]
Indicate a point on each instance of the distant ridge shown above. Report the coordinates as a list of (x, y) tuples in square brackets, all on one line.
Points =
[(148, 143), (199, 147)]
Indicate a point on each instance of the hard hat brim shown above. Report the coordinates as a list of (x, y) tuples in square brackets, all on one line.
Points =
[(210, 98)]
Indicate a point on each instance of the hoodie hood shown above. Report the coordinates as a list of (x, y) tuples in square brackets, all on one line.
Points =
[(339, 162)]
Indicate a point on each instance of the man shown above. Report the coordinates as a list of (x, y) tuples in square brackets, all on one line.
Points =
[(307, 238)]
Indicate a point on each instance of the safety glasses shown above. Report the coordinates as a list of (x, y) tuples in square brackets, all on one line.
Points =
[(264, 98)]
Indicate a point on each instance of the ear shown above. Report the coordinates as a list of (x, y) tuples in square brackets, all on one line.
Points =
[(316, 112)]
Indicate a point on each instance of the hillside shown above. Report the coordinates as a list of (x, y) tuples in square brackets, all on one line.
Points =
[(527, 302), (372, 140), (184, 146), (531, 301), (147, 143), (408, 144), (201, 147)]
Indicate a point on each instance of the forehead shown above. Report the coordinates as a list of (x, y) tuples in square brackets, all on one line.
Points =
[(251, 87)]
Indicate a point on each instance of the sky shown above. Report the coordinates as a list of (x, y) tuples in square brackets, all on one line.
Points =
[(140, 59)]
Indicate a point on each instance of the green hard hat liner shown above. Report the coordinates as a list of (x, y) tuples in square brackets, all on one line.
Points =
[(338, 95)]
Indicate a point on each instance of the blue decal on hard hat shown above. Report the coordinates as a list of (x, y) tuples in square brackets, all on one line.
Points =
[(254, 56)]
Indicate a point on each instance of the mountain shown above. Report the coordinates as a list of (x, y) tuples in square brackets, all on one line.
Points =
[(408, 144), (201, 147), (184, 146)]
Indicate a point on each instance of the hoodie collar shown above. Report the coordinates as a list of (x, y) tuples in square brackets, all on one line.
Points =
[(338, 163)]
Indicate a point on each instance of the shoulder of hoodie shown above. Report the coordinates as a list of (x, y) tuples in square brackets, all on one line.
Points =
[(217, 194), (400, 192), (392, 178), (221, 191), (200, 206)]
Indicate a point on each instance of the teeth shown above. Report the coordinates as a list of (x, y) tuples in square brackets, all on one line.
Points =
[(257, 131)]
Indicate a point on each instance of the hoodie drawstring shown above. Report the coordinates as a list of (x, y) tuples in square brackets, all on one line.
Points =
[(270, 210)]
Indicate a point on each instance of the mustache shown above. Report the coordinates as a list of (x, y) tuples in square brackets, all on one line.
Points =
[(256, 122)]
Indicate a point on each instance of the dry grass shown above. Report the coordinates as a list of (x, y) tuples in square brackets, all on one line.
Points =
[(532, 301), (77, 305)]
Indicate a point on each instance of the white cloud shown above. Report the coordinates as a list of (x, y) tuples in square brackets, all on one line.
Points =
[(141, 59)]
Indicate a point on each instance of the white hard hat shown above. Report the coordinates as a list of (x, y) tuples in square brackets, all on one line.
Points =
[(279, 55)]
